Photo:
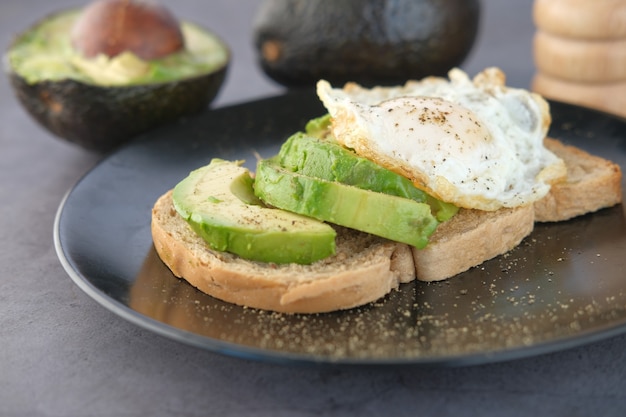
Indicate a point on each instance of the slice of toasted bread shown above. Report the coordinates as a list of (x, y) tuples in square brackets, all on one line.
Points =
[(364, 269), (470, 238), (592, 183)]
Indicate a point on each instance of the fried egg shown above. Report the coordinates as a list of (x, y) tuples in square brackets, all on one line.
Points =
[(474, 143)]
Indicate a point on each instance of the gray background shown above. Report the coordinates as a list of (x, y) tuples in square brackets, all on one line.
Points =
[(62, 354)]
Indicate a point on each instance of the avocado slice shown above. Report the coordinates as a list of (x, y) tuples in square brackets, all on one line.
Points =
[(219, 204), (100, 103), (328, 160), (396, 218), (319, 127)]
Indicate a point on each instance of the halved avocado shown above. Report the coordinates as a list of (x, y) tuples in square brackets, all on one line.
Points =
[(100, 103), (367, 41)]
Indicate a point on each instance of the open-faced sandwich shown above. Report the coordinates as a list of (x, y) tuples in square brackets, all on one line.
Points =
[(420, 181)]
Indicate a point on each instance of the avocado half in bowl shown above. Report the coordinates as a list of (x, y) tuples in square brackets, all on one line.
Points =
[(101, 102)]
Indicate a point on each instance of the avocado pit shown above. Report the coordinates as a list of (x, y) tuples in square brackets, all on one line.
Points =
[(110, 27)]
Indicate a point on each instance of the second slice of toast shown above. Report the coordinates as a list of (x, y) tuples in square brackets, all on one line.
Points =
[(470, 238), (592, 183)]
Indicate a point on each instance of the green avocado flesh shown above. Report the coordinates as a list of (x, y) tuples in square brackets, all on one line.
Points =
[(396, 218), (219, 204), (328, 160), (46, 54), (319, 127)]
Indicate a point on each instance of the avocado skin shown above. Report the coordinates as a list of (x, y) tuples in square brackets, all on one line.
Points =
[(101, 118), (371, 42)]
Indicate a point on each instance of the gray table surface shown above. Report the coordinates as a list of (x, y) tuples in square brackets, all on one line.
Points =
[(62, 354)]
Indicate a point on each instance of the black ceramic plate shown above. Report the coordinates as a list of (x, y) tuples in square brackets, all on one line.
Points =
[(565, 285)]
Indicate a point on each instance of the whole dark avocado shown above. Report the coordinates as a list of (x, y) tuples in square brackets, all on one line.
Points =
[(99, 90), (372, 42)]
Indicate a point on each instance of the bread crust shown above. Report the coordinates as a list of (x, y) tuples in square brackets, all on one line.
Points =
[(470, 238), (365, 269), (592, 183)]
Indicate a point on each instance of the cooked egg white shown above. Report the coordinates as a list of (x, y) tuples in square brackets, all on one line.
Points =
[(475, 143)]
